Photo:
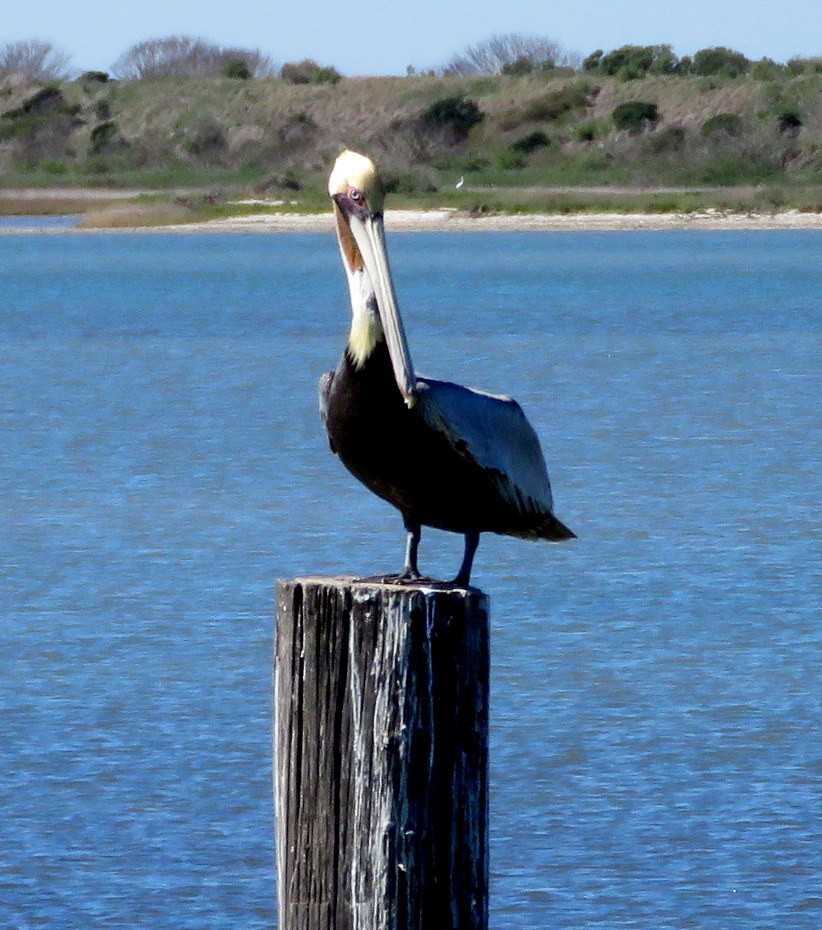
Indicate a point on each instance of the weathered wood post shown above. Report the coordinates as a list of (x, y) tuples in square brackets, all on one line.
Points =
[(381, 756)]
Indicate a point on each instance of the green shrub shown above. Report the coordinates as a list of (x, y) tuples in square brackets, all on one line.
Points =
[(327, 75), (44, 100), (665, 61), (455, 116), (720, 61), (587, 131), (237, 69), (766, 69), (511, 161), (309, 72), (788, 121), (805, 65), (103, 137), (728, 124), (521, 66), (534, 140), (627, 63), (635, 115), (592, 63), (631, 62), (40, 127), (53, 166)]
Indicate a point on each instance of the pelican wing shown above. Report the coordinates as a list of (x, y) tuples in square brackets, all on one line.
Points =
[(324, 391), (494, 432)]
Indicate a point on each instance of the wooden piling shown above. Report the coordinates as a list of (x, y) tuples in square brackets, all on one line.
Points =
[(381, 756)]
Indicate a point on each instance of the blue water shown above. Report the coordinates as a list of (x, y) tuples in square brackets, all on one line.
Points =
[(38, 222), (656, 695)]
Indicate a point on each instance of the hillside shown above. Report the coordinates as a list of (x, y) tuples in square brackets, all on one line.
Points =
[(556, 141)]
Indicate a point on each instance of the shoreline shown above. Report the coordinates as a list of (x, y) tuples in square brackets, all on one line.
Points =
[(445, 220), (451, 220)]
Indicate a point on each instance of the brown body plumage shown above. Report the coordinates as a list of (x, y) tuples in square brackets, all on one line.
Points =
[(444, 455)]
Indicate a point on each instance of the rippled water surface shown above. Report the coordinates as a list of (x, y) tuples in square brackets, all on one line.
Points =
[(656, 699)]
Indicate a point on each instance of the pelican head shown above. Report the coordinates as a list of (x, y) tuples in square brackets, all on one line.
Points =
[(358, 193)]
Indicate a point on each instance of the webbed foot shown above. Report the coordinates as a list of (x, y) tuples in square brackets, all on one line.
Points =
[(404, 577)]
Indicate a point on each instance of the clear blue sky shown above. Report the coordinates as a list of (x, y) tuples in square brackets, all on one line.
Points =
[(384, 36)]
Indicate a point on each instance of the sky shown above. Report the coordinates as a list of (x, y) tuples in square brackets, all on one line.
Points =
[(369, 37)]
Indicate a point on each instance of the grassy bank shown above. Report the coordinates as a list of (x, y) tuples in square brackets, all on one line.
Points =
[(553, 142)]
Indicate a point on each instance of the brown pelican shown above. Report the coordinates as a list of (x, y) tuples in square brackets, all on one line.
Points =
[(444, 455)]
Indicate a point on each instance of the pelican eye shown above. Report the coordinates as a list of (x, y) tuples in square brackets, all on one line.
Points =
[(356, 195)]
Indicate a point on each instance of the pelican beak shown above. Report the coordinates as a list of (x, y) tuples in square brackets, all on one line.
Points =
[(369, 235)]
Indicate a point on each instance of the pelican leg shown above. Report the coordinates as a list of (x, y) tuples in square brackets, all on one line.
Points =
[(463, 579), (411, 572)]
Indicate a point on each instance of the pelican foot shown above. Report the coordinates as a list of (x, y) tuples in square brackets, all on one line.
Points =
[(401, 578), (421, 580)]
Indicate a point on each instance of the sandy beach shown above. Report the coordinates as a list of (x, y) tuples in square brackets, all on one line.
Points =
[(446, 220), (456, 221)]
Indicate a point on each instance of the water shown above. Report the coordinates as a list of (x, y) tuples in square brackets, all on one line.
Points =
[(28, 223), (656, 703)]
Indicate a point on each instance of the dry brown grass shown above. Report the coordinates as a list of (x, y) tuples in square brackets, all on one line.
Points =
[(12, 205), (136, 215)]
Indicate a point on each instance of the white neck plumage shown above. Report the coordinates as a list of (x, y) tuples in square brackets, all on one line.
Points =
[(366, 328)]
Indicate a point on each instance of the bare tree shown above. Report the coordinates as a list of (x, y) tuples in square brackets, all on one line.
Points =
[(185, 56), (35, 59), (505, 50), (154, 58)]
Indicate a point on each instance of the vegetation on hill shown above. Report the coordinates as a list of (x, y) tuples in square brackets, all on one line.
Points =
[(526, 124)]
